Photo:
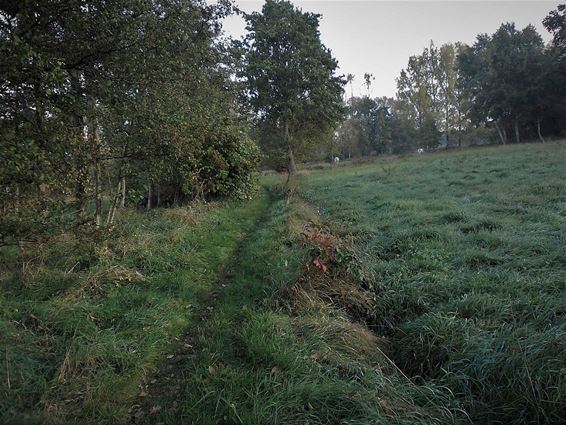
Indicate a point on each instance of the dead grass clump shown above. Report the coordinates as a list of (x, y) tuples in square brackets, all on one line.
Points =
[(333, 277), (101, 282), (317, 292), (192, 214), (342, 337)]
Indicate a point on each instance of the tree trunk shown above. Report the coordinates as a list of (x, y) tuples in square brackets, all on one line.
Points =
[(79, 121), (459, 128), (123, 199), (539, 132), (97, 197), (501, 132), (114, 205), (517, 135), (158, 191), (292, 165), (176, 195), (149, 194), (446, 117)]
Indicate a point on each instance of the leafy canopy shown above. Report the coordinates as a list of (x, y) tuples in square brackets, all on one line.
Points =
[(291, 76)]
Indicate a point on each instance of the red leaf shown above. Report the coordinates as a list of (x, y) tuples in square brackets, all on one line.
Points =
[(319, 264)]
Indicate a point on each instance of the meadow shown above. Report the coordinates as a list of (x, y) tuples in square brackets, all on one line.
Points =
[(425, 289), (468, 253)]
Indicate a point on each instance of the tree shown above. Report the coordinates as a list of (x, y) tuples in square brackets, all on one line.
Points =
[(350, 80), (429, 87), (368, 79), (291, 77), (503, 75), (97, 94), (553, 107), (555, 23)]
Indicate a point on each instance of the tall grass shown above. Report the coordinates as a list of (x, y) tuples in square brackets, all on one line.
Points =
[(217, 315), (249, 363)]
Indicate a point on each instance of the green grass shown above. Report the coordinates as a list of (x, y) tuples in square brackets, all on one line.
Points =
[(88, 322), (468, 251), (450, 308), (252, 363)]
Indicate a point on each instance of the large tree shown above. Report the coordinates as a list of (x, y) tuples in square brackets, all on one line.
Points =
[(504, 76), (291, 77)]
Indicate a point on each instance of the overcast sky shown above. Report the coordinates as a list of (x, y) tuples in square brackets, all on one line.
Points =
[(379, 36)]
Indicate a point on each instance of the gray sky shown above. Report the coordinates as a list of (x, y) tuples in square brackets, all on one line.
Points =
[(379, 36)]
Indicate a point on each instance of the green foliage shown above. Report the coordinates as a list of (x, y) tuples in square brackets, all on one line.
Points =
[(505, 75), (99, 96), (429, 88), (228, 167), (290, 76), (555, 22)]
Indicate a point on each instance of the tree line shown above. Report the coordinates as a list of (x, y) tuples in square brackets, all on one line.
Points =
[(107, 103), (144, 103), (507, 87)]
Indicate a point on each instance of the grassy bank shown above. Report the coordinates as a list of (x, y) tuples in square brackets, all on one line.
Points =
[(468, 254)]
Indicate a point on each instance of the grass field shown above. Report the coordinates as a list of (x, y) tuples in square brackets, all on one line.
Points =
[(427, 289), (468, 250)]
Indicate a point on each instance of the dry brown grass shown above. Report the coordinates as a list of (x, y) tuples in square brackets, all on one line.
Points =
[(192, 214)]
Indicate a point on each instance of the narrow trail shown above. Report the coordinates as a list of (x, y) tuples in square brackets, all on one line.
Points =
[(161, 393)]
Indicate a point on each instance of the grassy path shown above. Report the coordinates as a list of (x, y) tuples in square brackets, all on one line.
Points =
[(165, 397), (249, 358), (181, 391), (84, 325)]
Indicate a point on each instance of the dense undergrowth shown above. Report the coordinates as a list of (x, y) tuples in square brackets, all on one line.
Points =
[(468, 253)]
